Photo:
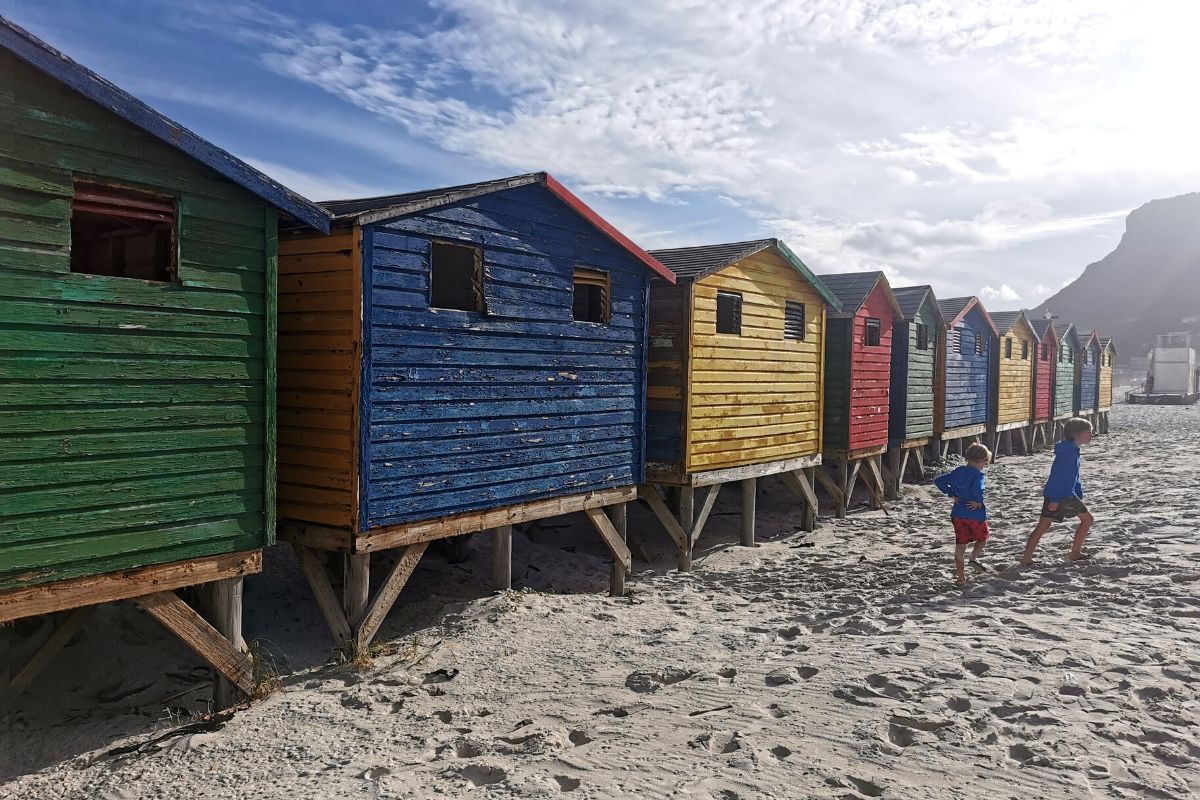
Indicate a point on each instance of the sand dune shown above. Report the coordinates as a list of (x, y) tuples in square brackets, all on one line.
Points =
[(837, 664)]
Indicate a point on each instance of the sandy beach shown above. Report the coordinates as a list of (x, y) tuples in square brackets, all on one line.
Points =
[(838, 664)]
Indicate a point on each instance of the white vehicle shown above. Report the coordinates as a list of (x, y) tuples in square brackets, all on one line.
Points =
[(1173, 375)]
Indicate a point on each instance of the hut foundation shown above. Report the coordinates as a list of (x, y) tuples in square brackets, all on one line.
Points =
[(851, 466), (355, 619), (902, 455)]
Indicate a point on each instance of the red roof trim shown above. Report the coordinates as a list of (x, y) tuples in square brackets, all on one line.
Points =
[(971, 304), (564, 194)]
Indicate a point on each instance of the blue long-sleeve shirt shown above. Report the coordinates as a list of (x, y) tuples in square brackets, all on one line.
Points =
[(1064, 474), (964, 484)]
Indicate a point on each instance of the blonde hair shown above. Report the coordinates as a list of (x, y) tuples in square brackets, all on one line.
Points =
[(977, 452), (1075, 426)]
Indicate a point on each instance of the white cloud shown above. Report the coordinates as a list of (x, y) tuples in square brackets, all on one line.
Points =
[(1005, 294)]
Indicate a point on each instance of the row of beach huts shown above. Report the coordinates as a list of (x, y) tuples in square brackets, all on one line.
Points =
[(194, 359)]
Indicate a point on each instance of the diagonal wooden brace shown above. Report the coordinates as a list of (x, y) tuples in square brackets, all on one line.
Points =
[(611, 537), (385, 598), (180, 619), (653, 499)]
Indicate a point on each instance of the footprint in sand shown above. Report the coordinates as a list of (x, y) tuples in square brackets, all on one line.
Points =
[(976, 667), (566, 784), (645, 682), (483, 774)]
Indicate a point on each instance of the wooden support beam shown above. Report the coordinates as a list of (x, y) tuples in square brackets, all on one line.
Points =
[(475, 521), (327, 601), (891, 476), (687, 504), (610, 536), (616, 578), (754, 470), (706, 508), (749, 503), (876, 478), (46, 598), (653, 499), (945, 449), (227, 619), (502, 558), (904, 456), (179, 618), (919, 459), (356, 586), (385, 598), (59, 638), (852, 478), (798, 482), (835, 491)]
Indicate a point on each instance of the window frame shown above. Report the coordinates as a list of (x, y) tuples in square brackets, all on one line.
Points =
[(589, 276), (477, 279), (979, 349), (146, 204), (1008, 348), (1024, 349), (872, 324), (736, 310), (922, 336)]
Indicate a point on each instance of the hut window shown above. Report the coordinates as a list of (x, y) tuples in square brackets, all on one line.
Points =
[(1044, 351), (978, 344), (958, 340), (1024, 351), (1007, 347), (1070, 356), (793, 320), (872, 332), (729, 313), (122, 233), (922, 336), (590, 301), (456, 277)]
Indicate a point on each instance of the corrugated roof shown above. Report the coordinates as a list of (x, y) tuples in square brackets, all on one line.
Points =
[(370, 210), (692, 262), (45, 58)]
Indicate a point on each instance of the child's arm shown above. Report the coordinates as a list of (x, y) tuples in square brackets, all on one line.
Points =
[(943, 482), (1061, 482)]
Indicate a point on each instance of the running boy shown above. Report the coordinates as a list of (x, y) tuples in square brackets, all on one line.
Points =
[(969, 515), (1063, 496)]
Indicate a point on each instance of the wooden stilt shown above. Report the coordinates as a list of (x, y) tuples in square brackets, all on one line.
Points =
[(844, 485), (357, 588), (687, 500), (834, 489), (179, 618), (385, 598), (874, 469), (904, 456), (892, 474), (610, 536), (851, 479), (945, 449), (59, 638), (502, 558), (227, 619), (620, 520), (658, 505), (920, 463), (800, 481), (749, 500), (318, 580)]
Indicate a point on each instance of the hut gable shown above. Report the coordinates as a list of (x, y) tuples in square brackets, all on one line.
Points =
[(858, 361), (735, 358), (137, 372), (1087, 368), (914, 342), (966, 383), (1013, 364)]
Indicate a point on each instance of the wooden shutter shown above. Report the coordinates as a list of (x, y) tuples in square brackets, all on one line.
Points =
[(793, 320)]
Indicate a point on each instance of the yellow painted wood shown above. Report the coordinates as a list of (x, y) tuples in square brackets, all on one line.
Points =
[(756, 397), (1015, 384), (1107, 356), (319, 342)]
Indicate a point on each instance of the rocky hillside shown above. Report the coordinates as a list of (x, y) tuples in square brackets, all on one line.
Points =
[(1148, 285)]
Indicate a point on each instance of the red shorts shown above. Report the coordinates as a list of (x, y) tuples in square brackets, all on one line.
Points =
[(969, 530)]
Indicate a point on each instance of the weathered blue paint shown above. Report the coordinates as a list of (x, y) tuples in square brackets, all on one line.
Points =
[(38, 54), (1087, 369), (463, 411), (969, 377)]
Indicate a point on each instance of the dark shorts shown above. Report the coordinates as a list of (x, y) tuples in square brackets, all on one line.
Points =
[(1068, 507), (969, 530)]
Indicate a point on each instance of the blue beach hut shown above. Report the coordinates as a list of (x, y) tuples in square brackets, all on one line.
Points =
[(964, 380)]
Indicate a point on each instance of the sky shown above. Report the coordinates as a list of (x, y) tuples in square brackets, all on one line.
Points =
[(980, 146)]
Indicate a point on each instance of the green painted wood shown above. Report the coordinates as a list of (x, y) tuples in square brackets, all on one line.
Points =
[(836, 382), (919, 406), (137, 419)]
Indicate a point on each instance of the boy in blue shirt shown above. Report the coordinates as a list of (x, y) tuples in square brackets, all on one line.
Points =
[(969, 515), (1063, 495)]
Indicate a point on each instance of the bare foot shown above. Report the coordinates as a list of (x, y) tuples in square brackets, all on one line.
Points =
[(1026, 562), (1073, 557)]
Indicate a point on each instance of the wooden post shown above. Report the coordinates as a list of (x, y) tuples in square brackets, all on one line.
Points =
[(893, 473), (227, 619), (749, 498), (357, 587), (502, 558), (620, 520), (809, 521), (687, 505)]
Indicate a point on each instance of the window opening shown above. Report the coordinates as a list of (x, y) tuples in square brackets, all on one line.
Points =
[(872, 332), (122, 233), (590, 300), (793, 320), (729, 313), (456, 277)]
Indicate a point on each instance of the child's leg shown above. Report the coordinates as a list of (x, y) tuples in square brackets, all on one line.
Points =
[(1042, 526), (1085, 525), (978, 549), (960, 549)]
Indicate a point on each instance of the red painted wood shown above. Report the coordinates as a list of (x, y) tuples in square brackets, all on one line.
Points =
[(1043, 386), (870, 373), (564, 194)]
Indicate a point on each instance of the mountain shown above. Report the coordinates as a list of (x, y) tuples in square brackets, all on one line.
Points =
[(1148, 285)]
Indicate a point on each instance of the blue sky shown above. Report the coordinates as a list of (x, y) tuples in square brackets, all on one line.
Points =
[(984, 147)]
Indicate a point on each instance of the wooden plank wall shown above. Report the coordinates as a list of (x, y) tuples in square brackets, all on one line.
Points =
[(754, 398), (870, 374), (1064, 376), (968, 376), (1106, 380), (133, 415), (320, 341), (1014, 387), (911, 413), (469, 411), (1087, 370), (836, 388), (667, 376), (1043, 387)]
